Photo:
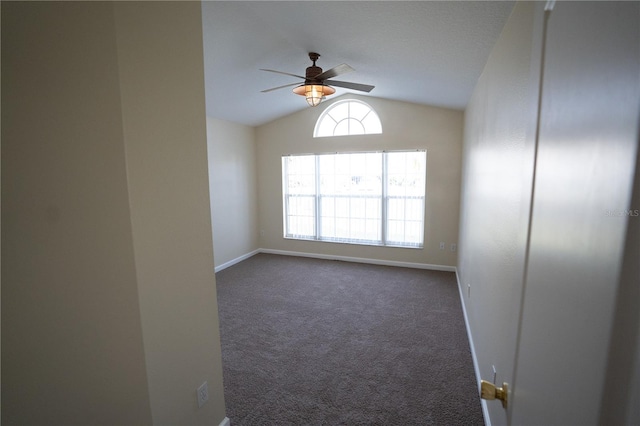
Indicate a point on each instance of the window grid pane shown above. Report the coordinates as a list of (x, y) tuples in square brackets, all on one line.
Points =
[(299, 196), (348, 117)]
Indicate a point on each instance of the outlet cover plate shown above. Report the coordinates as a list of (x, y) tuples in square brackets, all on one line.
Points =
[(203, 394)]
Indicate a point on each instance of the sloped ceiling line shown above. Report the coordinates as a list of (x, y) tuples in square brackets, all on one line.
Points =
[(426, 52)]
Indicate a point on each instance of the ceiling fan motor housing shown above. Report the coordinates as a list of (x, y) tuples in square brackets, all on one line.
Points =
[(311, 74), (313, 70)]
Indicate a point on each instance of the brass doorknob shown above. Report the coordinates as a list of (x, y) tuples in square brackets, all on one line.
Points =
[(490, 391)]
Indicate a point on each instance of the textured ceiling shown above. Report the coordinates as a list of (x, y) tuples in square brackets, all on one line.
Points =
[(426, 52)]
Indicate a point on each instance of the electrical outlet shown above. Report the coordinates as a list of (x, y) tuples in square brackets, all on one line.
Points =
[(442, 246), (453, 247), (203, 394)]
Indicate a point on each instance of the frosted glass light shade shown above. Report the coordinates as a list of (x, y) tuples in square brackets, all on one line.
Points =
[(314, 93)]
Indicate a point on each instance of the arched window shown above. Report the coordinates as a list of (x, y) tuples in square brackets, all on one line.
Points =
[(348, 117)]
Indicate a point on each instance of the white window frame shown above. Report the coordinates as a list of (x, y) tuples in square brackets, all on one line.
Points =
[(369, 121), (315, 205)]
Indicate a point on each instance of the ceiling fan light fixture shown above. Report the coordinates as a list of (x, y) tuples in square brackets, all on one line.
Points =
[(314, 93)]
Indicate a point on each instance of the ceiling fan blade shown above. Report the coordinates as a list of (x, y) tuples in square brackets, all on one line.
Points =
[(281, 72), (347, 85), (335, 71), (280, 87)]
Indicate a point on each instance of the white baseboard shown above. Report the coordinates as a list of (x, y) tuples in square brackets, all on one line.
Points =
[(341, 258), (236, 260), (476, 367), (225, 422), (361, 260)]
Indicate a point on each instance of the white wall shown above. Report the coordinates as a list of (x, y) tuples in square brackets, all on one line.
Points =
[(623, 365), (405, 126), (73, 350), (164, 124), (543, 304), (588, 140), (233, 188), (496, 191), (109, 307)]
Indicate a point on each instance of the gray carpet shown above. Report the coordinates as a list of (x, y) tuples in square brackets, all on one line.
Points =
[(320, 342)]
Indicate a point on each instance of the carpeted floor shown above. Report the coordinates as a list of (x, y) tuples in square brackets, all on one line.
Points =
[(320, 342)]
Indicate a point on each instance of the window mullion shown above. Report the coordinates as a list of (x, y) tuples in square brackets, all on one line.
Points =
[(405, 206), (318, 200), (384, 202), (285, 163)]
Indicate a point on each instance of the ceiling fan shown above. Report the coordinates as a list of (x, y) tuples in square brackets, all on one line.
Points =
[(315, 87)]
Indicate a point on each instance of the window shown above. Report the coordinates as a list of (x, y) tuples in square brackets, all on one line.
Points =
[(348, 117), (374, 198)]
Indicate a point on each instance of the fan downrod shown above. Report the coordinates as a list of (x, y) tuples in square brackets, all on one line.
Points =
[(314, 57)]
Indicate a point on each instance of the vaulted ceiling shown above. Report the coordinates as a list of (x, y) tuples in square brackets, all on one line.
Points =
[(426, 52)]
